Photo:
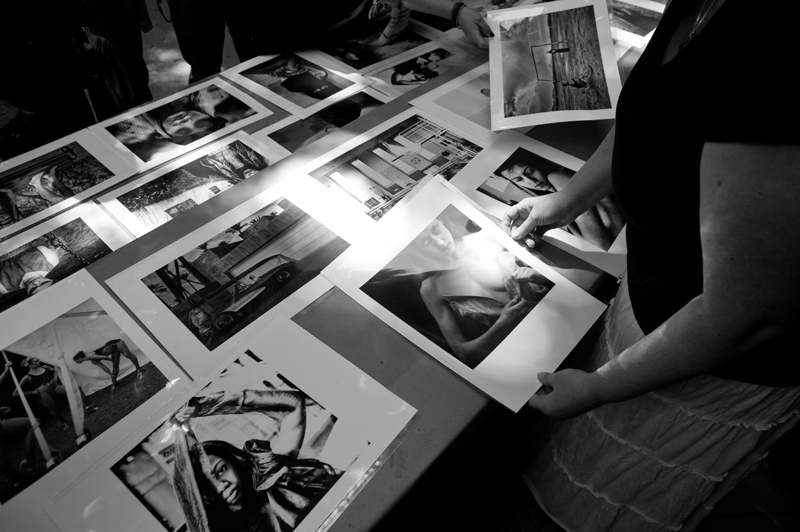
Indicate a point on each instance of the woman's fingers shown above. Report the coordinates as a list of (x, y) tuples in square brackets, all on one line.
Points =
[(474, 27)]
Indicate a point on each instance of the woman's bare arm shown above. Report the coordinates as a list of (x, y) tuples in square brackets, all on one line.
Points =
[(750, 234)]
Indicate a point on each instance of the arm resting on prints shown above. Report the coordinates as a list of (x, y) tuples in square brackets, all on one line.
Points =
[(750, 235)]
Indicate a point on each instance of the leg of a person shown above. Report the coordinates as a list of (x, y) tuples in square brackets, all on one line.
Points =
[(114, 366), (127, 39), (126, 352), (200, 29), (102, 366), (49, 403), (6, 469), (240, 21)]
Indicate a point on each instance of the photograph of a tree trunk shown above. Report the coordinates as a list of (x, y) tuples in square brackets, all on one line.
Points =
[(231, 280), (165, 197)]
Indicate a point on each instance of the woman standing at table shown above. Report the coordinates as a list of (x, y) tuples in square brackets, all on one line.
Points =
[(691, 384)]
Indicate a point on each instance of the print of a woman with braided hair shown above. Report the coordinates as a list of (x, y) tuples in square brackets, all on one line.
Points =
[(264, 486)]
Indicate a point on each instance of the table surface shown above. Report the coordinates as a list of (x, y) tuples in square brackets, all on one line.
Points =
[(448, 404)]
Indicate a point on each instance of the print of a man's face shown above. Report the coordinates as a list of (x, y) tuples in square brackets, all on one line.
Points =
[(183, 123)]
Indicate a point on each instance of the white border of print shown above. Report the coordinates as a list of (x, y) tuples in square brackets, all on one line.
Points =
[(23, 511), (606, 51), (417, 27), (508, 374), (100, 129), (264, 133), (374, 132), (120, 169), (189, 351), (631, 38), (459, 53), (358, 401), (427, 103), (270, 149), (98, 221), (359, 82), (481, 167)]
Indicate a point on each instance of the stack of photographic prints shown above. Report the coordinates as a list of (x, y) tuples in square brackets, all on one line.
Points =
[(280, 435), (170, 127), (79, 377), (515, 167), (202, 294), (446, 277), (55, 177), (379, 168), (155, 198), (552, 62)]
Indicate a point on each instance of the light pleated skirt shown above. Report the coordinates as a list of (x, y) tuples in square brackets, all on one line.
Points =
[(660, 461)]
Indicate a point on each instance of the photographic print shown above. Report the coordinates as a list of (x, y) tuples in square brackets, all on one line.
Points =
[(279, 436), (302, 83), (76, 372), (188, 119), (552, 62), (366, 52), (158, 197), (293, 134), (452, 282), (380, 167), (54, 177), (516, 167), (32, 262), (208, 288), (411, 73), (635, 21)]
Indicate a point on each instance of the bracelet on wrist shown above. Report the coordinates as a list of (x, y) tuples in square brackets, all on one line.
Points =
[(455, 12)]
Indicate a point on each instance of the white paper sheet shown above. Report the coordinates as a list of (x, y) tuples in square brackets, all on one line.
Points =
[(390, 277), (167, 128), (300, 88), (236, 269), (552, 62), (159, 196), (29, 193), (634, 21), (81, 315), (515, 167), (366, 418)]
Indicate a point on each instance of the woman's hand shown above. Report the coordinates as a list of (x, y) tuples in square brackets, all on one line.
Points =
[(566, 393), (474, 27), (183, 415), (531, 218), (514, 311)]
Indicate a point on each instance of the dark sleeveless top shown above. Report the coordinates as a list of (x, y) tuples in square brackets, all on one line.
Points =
[(732, 83)]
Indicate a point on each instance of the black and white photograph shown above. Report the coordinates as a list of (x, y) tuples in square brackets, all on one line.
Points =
[(554, 62), (411, 73), (525, 174), (55, 177), (294, 134), (278, 436), (370, 50), (101, 379), (302, 83), (381, 167), (247, 450), (34, 261), (515, 168), (635, 21), (446, 277), (190, 118), (156, 198), (459, 287), (229, 281)]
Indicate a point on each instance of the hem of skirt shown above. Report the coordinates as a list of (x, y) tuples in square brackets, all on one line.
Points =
[(752, 426), (579, 485), (650, 454), (537, 497)]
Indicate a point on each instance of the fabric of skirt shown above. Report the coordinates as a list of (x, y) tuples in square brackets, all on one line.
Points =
[(660, 461)]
